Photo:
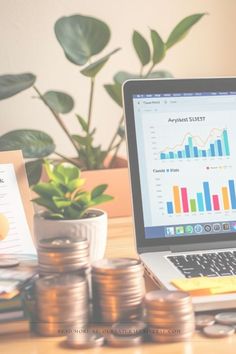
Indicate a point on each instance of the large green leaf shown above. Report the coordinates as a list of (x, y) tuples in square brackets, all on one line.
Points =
[(92, 69), (160, 74), (33, 143), (81, 37), (60, 102), (114, 91), (122, 76), (83, 123), (141, 47), (10, 85), (158, 47), (182, 28), (34, 171), (47, 190), (68, 171)]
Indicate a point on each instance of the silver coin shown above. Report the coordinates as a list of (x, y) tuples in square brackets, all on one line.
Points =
[(84, 340), (227, 318), (218, 331), (204, 320), (123, 341), (8, 262), (63, 242)]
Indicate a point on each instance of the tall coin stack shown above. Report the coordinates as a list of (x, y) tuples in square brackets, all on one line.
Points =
[(118, 289), (61, 304), (63, 254), (170, 316)]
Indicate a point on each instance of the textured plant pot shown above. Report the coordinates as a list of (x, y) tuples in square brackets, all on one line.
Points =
[(94, 228)]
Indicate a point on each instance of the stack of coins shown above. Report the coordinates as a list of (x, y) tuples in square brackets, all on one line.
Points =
[(61, 303), (63, 254), (170, 316), (118, 289)]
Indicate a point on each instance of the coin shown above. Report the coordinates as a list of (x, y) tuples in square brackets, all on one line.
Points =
[(117, 265), (227, 318), (8, 262), (218, 331), (167, 298), (204, 320), (128, 329), (84, 340), (123, 341), (64, 242)]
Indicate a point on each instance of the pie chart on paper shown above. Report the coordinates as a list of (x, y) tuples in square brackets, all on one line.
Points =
[(4, 227)]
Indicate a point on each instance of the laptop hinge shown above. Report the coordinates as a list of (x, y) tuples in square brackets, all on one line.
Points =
[(203, 246)]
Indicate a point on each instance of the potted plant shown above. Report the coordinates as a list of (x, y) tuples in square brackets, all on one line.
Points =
[(82, 38), (68, 209)]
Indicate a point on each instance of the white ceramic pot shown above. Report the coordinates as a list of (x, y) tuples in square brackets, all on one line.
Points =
[(94, 228)]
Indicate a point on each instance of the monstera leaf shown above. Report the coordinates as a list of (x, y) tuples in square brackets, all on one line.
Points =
[(33, 143), (10, 85), (81, 37), (60, 102)]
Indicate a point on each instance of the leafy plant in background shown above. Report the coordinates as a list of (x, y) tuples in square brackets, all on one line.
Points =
[(82, 38), (63, 196)]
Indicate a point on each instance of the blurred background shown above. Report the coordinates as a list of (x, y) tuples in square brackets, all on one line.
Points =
[(28, 44)]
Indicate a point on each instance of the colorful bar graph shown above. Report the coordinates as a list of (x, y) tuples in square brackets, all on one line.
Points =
[(218, 147), (225, 197), (202, 201)]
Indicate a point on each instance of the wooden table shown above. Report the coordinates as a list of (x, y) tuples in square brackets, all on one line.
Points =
[(120, 244)]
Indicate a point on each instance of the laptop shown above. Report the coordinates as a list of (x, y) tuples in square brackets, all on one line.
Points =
[(181, 137)]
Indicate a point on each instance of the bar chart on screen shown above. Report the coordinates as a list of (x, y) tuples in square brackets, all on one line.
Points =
[(193, 146), (185, 200)]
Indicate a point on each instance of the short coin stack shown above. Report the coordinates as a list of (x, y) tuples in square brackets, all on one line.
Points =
[(170, 316), (118, 289), (61, 304), (63, 254)]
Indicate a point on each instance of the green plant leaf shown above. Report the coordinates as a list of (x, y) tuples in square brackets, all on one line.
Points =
[(61, 202), (83, 123), (81, 37), (54, 216), (160, 74), (114, 91), (33, 143), (182, 28), (82, 140), (76, 183), (98, 190), (102, 199), (158, 47), (10, 85), (141, 47), (46, 203), (34, 171), (60, 102), (67, 171), (46, 190), (122, 76), (93, 69)]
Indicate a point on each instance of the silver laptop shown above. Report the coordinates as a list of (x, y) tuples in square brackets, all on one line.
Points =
[(181, 138)]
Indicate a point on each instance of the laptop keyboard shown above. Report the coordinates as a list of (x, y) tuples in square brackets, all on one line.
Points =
[(206, 264)]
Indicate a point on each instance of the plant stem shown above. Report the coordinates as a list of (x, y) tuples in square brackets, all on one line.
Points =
[(67, 159), (115, 136), (90, 103), (149, 71), (115, 153), (57, 117), (141, 71)]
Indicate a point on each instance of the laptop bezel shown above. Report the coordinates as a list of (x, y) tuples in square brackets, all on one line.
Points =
[(155, 86)]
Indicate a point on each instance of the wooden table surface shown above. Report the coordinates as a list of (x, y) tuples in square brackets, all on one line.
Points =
[(120, 243)]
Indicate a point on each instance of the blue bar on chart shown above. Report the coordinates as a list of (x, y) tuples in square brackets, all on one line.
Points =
[(213, 148), (170, 209), (200, 202), (232, 194), (207, 195)]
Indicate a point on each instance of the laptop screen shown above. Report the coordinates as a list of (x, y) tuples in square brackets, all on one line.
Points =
[(186, 146)]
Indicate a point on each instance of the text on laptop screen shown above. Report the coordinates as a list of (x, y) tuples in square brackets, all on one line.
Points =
[(187, 162)]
